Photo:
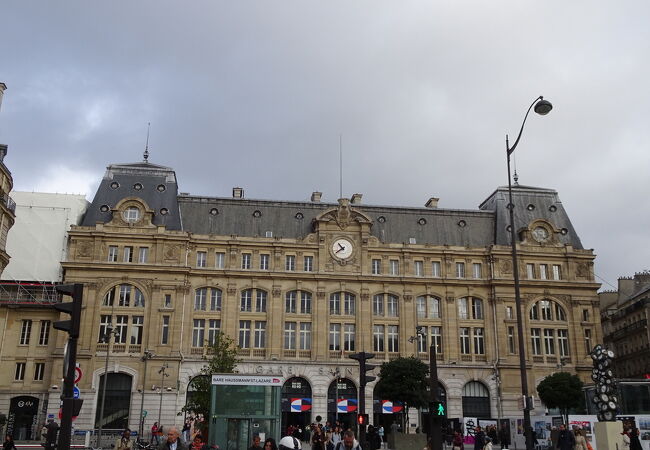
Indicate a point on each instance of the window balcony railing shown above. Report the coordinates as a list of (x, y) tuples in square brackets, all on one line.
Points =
[(8, 202)]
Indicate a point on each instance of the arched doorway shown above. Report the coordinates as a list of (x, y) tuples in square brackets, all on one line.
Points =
[(386, 412), (342, 402), (296, 403), (476, 400), (424, 416), (117, 402), (23, 414)]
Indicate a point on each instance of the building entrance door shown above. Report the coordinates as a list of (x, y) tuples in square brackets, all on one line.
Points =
[(239, 434)]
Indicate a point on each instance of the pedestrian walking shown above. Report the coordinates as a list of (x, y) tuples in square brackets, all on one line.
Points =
[(565, 439), (9, 444), (124, 442)]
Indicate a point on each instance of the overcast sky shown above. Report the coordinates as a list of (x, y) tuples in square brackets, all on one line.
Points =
[(256, 93)]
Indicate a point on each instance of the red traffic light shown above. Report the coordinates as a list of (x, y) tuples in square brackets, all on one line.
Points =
[(362, 419)]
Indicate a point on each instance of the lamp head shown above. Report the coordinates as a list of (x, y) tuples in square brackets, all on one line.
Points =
[(543, 107)]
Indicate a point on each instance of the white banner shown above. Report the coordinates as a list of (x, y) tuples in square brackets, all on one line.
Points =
[(246, 380)]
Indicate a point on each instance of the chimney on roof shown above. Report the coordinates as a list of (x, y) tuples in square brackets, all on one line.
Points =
[(432, 203), (315, 196), (237, 192), (2, 91), (356, 199)]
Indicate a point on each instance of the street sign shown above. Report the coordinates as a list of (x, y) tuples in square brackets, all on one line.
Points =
[(77, 374), (75, 392)]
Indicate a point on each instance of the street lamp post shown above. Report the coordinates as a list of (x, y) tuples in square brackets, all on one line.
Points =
[(435, 429), (145, 357), (542, 107), (163, 373), (110, 331), (337, 374)]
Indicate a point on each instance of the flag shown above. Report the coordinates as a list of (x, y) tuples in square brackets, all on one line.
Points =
[(388, 407), (345, 405), (300, 404)]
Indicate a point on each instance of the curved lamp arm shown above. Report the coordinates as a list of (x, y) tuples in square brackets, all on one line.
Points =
[(543, 107)]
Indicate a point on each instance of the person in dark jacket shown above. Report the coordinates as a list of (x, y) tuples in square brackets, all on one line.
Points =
[(479, 439), (504, 437), (9, 443), (635, 443), (52, 432), (565, 439)]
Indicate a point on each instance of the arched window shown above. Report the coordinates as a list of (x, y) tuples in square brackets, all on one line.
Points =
[(428, 307), (385, 304), (347, 308), (117, 401), (247, 296), (546, 338), (476, 400), (297, 302), (547, 310), (201, 296), (126, 295)]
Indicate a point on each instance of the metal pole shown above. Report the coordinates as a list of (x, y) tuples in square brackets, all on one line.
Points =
[(162, 388), (520, 322), (107, 338), (146, 357), (435, 429)]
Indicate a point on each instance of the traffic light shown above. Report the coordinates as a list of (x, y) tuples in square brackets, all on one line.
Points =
[(73, 308), (439, 409), (362, 419), (363, 367)]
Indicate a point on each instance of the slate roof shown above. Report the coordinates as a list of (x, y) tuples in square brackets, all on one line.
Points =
[(252, 218)]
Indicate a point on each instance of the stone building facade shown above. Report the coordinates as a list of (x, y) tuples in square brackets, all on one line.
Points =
[(302, 285)]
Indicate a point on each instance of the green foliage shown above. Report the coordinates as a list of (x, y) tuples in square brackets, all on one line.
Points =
[(221, 358), (404, 380), (561, 390)]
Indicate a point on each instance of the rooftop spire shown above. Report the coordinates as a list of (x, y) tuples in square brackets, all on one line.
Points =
[(145, 155)]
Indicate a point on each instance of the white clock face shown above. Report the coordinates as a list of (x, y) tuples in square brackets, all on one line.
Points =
[(342, 248), (540, 234)]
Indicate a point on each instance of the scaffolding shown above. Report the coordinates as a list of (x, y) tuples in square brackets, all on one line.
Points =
[(28, 293)]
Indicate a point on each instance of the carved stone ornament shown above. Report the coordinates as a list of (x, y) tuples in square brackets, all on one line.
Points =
[(505, 266), (277, 291), (84, 249), (343, 213), (408, 298), (365, 297), (582, 270), (232, 289), (172, 252)]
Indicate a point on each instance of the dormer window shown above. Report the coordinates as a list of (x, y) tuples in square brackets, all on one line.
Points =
[(132, 214)]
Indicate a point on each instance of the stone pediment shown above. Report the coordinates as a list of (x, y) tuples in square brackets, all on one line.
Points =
[(343, 215)]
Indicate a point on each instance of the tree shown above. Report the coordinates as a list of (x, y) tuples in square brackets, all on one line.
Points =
[(404, 380), (561, 390), (221, 357)]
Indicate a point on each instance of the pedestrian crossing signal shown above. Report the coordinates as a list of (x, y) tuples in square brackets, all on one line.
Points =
[(362, 419), (439, 409)]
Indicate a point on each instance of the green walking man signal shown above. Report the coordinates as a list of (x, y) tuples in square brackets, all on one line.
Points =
[(439, 409)]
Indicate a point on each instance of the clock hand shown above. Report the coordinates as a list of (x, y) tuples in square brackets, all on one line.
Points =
[(340, 249)]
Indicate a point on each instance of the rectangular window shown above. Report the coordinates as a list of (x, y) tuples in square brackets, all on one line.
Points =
[(305, 303), (200, 299), (394, 267), (549, 341), (419, 268), (260, 301), (434, 308), (125, 295), (376, 267), (509, 312), (545, 307), (215, 300), (477, 270), (378, 338), (585, 315), (435, 269), (348, 337), (246, 304), (260, 334), (290, 335), (104, 322), (536, 341), (112, 253), (563, 342), (44, 334), (587, 335), (214, 328), (137, 326), (168, 301), (290, 302), (378, 305), (464, 341), (164, 332), (335, 304), (479, 341), (530, 271), (460, 270), (421, 307), (543, 271), (305, 336), (39, 371), (19, 374), (392, 306), (143, 254), (308, 264), (25, 332), (462, 309), (121, 328), (436, 339), (198, 333), (511, 340), (219, 260), (201, 259), (557, 272), (349, 304), (393, 338), (128, 254), (477, 308), (422, 340), (290, 263), (245, 334), (335, 336), (245, 261), (264, 261)]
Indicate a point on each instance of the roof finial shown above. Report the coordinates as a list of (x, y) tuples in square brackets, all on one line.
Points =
[(516, 178), (146, 148)]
